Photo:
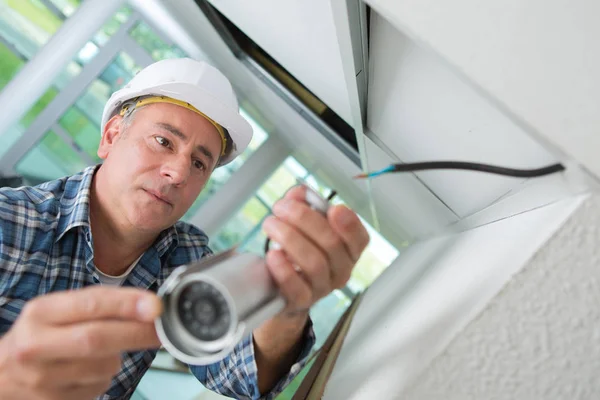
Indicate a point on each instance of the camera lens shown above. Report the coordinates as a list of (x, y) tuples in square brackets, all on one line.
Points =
[(204, 311)]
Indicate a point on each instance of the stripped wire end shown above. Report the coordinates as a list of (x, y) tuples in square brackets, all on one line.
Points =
[(360, 176), (375, 173)]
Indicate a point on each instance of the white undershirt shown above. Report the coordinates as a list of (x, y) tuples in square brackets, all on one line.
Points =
[(106, 279)]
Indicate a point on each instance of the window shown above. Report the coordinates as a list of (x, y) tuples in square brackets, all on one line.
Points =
[(81, 122), (49, 159), (27, 24), (153, 44), (66, 7), (14, 53)]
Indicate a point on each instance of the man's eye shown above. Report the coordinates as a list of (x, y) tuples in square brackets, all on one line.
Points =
[(162, 141), (198, 164)]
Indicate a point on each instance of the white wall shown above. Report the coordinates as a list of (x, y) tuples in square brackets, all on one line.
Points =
[(538, 339), (429, 294), (422, 110)]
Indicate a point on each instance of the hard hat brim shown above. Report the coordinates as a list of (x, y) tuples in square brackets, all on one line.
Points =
[(239, 129)]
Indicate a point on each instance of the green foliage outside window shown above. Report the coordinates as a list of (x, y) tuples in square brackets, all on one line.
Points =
[(36, 12), (153, 44), (10, 64)]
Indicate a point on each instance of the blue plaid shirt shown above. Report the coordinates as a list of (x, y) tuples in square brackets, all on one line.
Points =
[(46, 246)]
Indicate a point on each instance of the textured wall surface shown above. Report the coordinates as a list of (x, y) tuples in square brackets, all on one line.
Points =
[(540, 337), (429, 295)]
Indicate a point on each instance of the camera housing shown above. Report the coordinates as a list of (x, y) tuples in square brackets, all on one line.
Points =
[(210, 305)]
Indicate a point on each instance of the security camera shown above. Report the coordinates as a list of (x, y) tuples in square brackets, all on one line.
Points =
[(210, 305)]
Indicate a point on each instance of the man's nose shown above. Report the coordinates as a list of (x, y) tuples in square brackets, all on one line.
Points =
[(177, 169)]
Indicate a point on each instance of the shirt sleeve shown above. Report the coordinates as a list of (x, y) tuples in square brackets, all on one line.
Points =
[(236, 375)]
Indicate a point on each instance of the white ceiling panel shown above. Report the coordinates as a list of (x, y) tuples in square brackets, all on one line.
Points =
[(301, 36), (539, 59), (422, 111), (403, 199)]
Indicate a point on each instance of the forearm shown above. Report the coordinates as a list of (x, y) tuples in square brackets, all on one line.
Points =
[(277, 345)]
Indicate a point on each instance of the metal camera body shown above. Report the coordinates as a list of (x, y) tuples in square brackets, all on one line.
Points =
[(210, 305)]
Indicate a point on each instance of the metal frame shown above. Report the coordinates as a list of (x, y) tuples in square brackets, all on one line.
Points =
[(14, 49), (53, 9), (305, 112), (47, 119), (350, 20), (140, 55)]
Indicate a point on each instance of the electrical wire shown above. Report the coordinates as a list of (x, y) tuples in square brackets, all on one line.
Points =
[(457, 165), (461, 165)]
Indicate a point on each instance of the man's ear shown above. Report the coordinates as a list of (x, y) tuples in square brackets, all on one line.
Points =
[(110, 135)]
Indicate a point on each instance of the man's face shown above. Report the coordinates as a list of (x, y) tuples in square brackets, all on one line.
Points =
[(158, 165)]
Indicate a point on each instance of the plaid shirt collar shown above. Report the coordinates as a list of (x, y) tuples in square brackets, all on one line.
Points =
[(75, 211)]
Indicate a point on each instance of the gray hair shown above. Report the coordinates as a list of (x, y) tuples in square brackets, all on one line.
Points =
[(129, 117)]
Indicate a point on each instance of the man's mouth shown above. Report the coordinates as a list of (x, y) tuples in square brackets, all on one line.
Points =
[(158, 196)]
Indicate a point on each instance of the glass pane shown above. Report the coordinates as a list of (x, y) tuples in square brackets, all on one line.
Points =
[(14, 133), (9, 138), (50, 159), (239, 226), (277, 185), (255, 242), (38, 107), (112, 26), (378, 255), (153, 44), (326, 313), (27, 24), (67, 7), (85, 133), (82, 121), (72, 70), (118, 73), (10, 64), (259, 134), (258, 138), (296, 168)]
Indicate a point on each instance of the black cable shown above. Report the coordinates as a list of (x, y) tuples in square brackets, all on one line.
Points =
[(492, 169)]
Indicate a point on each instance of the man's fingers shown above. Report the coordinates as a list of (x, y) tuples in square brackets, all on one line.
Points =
[(316, 227), (301, 252), (344, 221), (347, 224), (87, 339), (94, 303), (297, 193), (292, 286)]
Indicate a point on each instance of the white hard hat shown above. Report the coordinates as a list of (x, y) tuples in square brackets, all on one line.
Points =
[(195, 85)]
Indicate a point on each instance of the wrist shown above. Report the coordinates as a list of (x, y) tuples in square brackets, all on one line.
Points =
[(292, 319), (284, 325)]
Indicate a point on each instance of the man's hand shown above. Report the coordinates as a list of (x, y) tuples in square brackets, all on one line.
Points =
[(67, 345), (317, 253)]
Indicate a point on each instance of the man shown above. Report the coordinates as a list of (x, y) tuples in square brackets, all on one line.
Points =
[(112, 232)]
